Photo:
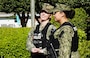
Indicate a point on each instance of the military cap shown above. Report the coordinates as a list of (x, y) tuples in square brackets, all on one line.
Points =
[(47, 8), (61, 7)]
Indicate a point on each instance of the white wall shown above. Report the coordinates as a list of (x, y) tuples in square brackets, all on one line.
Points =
[(29, 23), (8, 23), (12, 23)]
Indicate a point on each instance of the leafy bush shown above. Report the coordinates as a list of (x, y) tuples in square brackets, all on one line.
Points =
[(54, 23), (84, 45), (79, 19), (13, 42)]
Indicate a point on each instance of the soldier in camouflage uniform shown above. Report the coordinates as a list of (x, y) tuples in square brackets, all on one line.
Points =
[(36, 42), (66, 33)]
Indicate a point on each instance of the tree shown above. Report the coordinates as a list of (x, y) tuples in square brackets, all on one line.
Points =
[(23, 6), (17, 6), (77, 4)]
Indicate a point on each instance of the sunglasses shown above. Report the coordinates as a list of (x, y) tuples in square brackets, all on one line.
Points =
[(45, 12)]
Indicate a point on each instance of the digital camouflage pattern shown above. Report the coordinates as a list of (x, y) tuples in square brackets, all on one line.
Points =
[(64, 35), (47, 7), (61, 7), (30, 45)]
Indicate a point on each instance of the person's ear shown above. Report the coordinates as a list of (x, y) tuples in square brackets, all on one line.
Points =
[(62, 14), (50, 16)]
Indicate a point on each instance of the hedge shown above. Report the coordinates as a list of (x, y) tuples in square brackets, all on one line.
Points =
[(13, 43), (84, 45)]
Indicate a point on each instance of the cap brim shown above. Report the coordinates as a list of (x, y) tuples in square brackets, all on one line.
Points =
[(46, 11), (55, 10)]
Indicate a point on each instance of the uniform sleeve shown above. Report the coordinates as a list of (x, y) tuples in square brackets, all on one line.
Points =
[(65, 40), (29, 44)]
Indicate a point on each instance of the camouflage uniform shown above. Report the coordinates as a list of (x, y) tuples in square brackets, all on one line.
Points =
[(30, 44), (47, 7), (51, 28), (65, 34)]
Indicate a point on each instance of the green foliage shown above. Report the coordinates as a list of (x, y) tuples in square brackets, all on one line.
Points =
[(24, 5), (79, 19), (7, 5), (76, 3), (82, 35), (13, 42), (84, 48), (15, 5), (84, 45), (54, 23)]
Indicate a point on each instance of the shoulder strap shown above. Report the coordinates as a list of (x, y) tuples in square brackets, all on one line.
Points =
[(46, 28), (67, 23), (44, 38), (37, 29)]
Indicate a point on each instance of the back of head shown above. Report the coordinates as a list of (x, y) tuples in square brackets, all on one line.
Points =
[(69, 14)]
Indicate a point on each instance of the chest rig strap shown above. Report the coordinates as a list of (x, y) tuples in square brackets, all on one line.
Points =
[(40, 39)]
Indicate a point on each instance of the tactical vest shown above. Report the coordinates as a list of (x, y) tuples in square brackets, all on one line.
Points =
[(39, 39), (74, 45), (55, 44), (54, 41)]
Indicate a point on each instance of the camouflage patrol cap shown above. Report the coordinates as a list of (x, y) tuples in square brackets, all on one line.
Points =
[(61, 7), (47, 8)]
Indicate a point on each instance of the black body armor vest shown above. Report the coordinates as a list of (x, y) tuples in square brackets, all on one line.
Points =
[(39, 39)]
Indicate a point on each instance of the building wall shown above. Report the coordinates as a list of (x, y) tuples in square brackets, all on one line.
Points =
[(8, 23), (12, 23)]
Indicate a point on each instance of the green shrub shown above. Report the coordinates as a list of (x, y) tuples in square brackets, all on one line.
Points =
[(54, 23), (13, 42), (84, 45), (79, 19)]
